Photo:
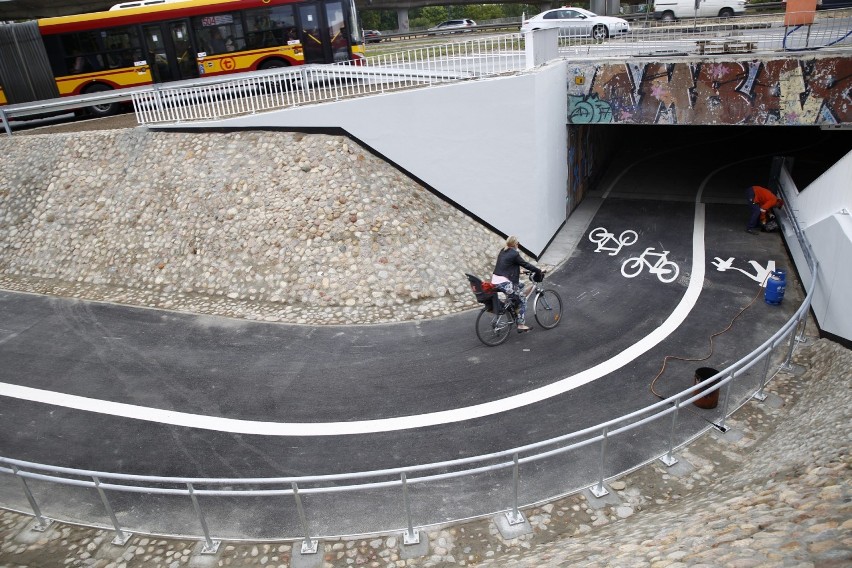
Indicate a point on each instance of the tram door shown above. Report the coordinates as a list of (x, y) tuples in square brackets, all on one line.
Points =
[(325, 38), (313, 43), (171, 53), (185, 52)]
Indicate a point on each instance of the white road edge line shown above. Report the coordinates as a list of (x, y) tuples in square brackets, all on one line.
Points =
[(174, 418)]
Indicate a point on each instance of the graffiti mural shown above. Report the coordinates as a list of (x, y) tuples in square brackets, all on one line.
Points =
[(755, 91)]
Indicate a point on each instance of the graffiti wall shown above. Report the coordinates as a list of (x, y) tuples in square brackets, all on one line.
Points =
[(587, 151), (787, 92)]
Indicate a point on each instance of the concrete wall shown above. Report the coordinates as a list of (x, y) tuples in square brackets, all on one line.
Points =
[(763, 90), (496, 148), (823, 210)]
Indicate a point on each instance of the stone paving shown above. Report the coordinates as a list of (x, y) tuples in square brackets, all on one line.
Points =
[(771, 491), (270, 226)]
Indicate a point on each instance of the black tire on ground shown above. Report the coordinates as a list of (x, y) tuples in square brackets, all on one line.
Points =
[(726, 13), (600, 32), (492, 330), (548, 309), (107, 109), (668, 16)]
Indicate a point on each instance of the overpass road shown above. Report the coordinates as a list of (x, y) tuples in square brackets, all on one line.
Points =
[(85, 384)]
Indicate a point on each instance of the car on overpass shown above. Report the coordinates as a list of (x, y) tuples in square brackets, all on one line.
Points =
[(372, 36), (577, 22), (453, 26), (670, 10)]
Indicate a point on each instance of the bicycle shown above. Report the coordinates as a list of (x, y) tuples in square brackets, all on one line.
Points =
[(492, 328), (665, 269)]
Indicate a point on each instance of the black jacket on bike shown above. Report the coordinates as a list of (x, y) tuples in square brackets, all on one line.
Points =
[(509, 263)]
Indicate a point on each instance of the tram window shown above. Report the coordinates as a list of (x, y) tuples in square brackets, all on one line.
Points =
[(122, 47), (270, 27), (82, 52), (219, 33)]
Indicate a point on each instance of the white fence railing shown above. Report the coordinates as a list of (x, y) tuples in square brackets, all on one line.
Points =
[(311, 84), (474, 59)]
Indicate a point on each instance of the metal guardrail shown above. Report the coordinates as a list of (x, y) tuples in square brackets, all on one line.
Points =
[(760, 33), (401, 478)]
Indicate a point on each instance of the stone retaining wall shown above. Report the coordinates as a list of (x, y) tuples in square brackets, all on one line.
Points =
[(263, 225)]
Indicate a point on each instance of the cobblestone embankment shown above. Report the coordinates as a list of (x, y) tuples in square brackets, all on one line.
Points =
[(772, 491), (268, 226)]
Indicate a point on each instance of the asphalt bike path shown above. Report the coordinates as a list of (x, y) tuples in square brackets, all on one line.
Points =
[(274, 373)]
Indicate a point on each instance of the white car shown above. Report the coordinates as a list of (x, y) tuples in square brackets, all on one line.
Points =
[(575, 22), (670, 10)]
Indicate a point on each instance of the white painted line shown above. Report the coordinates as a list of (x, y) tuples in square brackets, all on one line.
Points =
[(231, 425)]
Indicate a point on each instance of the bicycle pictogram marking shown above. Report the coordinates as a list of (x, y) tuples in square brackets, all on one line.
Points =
[(665, 269), (607, 241)]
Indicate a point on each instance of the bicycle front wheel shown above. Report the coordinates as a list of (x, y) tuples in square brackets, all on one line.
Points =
[(548, 309), (493, 329)]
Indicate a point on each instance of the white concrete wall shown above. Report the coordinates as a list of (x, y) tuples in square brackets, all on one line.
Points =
[(496, 147), (824, 211), (822, 198)]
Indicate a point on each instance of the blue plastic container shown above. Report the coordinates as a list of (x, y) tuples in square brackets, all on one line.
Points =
[(775, 286)]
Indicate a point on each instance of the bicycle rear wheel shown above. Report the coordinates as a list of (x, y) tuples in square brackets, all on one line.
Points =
[(547, 307), (493, 329)]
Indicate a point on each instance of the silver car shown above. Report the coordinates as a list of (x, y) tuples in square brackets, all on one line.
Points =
[(452, 26), (577, 22)]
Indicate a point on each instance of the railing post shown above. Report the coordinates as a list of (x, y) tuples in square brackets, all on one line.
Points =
[(412, 535), (514, 516), (309, 546), (5, 120), (804, 323), (721, 425), (210, 545), (669, 459), (760, 395), (786, 364), (121, 537), (599, 490), (41, 523)]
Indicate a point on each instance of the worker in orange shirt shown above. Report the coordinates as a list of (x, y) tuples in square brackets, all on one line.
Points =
[(761, 201)]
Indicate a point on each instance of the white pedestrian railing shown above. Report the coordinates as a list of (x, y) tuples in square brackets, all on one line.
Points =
[(476, 59), (310, 84)]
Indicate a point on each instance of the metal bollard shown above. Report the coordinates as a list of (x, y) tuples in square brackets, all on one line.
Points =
[(41, 523), (760, 395), (514, 516), (5, 119), (599, 490), (210, 546), (721, 425), (669, 459), (121, 537), (309, 546), (412, 535)]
